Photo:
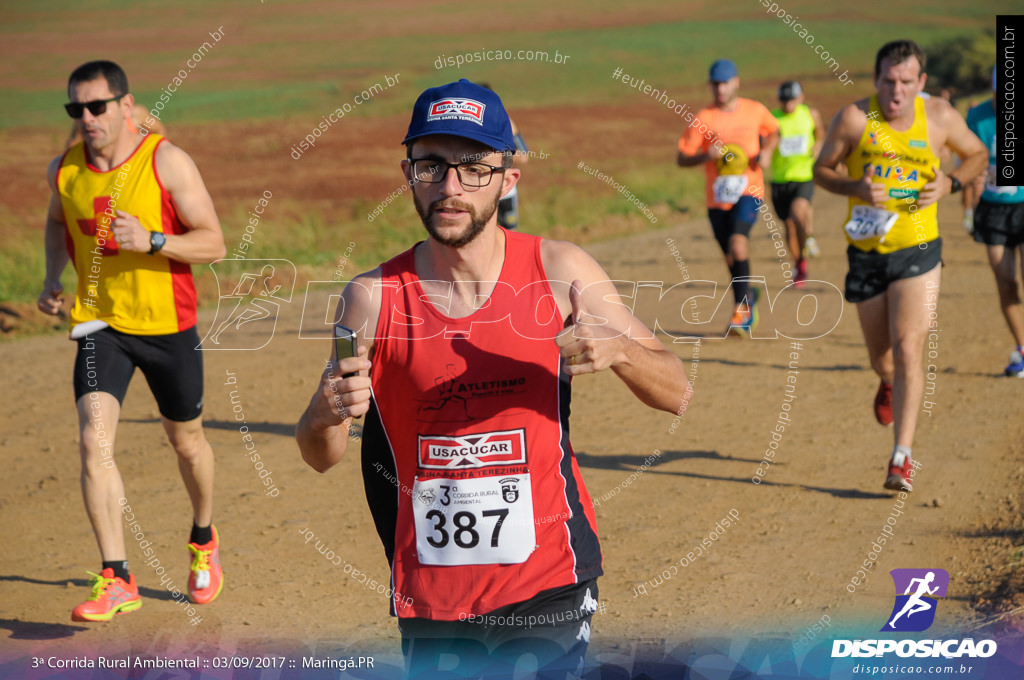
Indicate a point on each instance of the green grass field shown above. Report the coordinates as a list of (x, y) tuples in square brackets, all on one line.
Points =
[(295, 61), (304, 72)]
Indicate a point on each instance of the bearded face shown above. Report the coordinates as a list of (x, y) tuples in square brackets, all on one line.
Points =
[(444, 213)]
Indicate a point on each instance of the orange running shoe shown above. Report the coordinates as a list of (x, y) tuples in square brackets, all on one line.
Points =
[(745, 318), (110, 595), (739, 321), (206, 577)]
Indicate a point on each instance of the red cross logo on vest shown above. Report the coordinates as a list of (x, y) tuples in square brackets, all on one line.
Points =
[(99, 225)]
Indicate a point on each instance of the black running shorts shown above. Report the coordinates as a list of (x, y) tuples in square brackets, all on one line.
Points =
[(736, 220), (999, 224), (871, 273), (551, 629), (172, 364), (784, 193)]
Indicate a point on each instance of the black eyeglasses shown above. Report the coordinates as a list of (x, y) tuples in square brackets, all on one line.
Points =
[(471, 175), (97, 108)]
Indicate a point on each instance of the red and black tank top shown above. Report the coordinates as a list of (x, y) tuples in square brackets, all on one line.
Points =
[(468, 470)]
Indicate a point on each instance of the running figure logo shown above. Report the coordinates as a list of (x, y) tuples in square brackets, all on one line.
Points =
[(446, 389), (262, 288), (914, 610)]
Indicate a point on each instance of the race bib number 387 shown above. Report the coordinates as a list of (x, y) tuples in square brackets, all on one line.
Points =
[(480, 520)]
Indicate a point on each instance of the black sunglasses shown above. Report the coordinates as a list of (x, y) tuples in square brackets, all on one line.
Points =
[(99, 107)]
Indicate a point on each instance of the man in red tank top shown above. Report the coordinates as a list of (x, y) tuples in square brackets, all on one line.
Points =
[(475, 335)]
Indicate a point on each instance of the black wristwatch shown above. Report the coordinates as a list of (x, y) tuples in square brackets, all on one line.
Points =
[(955, 185), (156, 241)]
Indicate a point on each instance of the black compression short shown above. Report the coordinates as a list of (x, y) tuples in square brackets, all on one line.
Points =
[(172, 364)]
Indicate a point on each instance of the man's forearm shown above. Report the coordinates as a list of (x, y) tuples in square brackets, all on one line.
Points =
[(322, 448), (687, 161), (56, 251), (970, 167), (657, 378), (194, 247), (768, 145), (831, 180)]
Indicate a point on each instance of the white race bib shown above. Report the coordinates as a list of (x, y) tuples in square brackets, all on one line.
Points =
[(729, 189), (990, 182), (867, 222), (485, 520), (793, 146)]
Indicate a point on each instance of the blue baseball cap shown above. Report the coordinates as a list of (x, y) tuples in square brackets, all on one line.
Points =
[(722, 71), (462, 109)]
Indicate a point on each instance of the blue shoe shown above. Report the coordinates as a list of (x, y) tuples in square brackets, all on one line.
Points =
[(1016, 367), (753, 317), (745, 318)]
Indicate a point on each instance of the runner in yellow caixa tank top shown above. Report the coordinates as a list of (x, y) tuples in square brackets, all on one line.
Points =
[(888, 143), (904, 163), (131, 291)]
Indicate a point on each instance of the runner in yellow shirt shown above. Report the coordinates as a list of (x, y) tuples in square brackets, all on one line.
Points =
[(800, 134), (888, 143), (131, 212)]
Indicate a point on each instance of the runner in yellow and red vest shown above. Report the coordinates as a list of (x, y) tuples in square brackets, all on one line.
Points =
[(889, 143), (131, 213)]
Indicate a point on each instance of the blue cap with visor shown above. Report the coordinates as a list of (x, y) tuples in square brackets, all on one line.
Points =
[(722, 71), (462, 109)]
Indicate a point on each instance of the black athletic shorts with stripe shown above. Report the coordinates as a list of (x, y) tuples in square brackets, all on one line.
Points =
[(547, 634), (172, 364), (872, 273)]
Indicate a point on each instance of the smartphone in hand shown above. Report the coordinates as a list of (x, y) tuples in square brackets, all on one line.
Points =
[(345, 344)]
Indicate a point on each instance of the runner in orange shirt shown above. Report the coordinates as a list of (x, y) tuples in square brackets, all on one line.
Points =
[(733, 138)]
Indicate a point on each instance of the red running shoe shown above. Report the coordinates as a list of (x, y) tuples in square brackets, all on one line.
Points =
[(206, 576), (801, 273), (110, 596), (883, 404), (899, 473)]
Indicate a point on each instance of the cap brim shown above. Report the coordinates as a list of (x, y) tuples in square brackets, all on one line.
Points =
[(492, 142)]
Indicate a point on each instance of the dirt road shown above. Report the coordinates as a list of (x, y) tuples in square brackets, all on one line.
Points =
[(795, 540)]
